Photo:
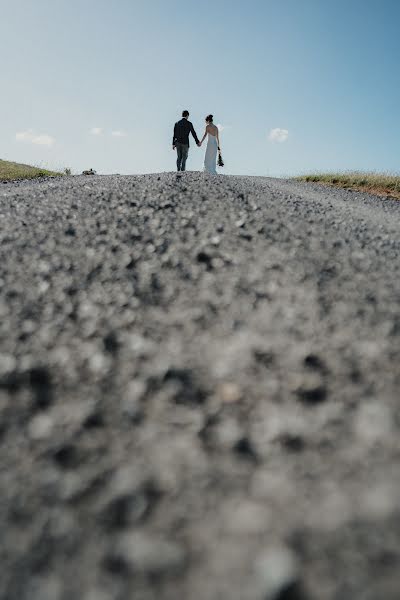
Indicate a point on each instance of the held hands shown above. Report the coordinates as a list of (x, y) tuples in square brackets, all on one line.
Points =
[(199, 144)]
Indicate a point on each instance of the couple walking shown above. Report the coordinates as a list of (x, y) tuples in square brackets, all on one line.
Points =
[(180, 141)]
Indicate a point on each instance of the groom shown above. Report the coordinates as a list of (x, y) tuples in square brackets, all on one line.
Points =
[(180, 141)]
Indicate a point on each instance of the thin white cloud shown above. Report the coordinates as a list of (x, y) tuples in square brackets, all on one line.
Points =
[(30, 137), (96, 131), (119, 133), (278, 135)]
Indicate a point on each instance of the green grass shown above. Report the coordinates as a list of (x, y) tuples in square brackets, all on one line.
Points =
[(10, 171), (381, 184)]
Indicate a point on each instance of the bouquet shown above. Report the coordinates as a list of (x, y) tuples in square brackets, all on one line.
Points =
[(220, 160)]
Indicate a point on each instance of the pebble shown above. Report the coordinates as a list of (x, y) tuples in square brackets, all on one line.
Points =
[(228, 432), (128, 498), (99, 363), (186, 389), (229, 393), (277, 574), (139, 345), (7, 364), (132, 400), (148, 554), (41, 427), (310, 388)]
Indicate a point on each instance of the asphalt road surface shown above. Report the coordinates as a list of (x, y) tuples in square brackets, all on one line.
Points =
[(199, 390)]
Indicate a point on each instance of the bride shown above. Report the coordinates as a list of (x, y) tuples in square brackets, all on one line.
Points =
[(210, 159)]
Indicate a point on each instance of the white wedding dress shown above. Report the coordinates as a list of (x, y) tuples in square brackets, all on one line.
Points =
[(210, 159)]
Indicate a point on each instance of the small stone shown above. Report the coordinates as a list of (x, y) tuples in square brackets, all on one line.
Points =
[(185, 387), (277, 575), (229, 393), (204, 257), (7, 364), (313, 361), (99, 363), (129, 499), (71, 487), (228, 432), (70, 231), (140, 346), (217, 263), (131, 402), (28, 327), (147, 555), (94, 418), (124, 509), (311, 388), (41, 427)]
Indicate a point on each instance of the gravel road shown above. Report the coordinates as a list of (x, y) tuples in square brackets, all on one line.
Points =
[(199, 390)]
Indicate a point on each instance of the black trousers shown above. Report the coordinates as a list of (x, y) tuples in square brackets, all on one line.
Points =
[(182, 151)]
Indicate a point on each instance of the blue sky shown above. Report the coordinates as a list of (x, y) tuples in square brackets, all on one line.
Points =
[(96, 83)]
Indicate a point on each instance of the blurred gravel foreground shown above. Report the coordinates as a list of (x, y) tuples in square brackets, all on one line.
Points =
[(199, 390)]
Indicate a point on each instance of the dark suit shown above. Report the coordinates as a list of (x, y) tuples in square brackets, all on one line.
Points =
[(180, 140)]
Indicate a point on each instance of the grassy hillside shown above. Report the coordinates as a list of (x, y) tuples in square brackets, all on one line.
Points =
[(10, 171), (374, 183)]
